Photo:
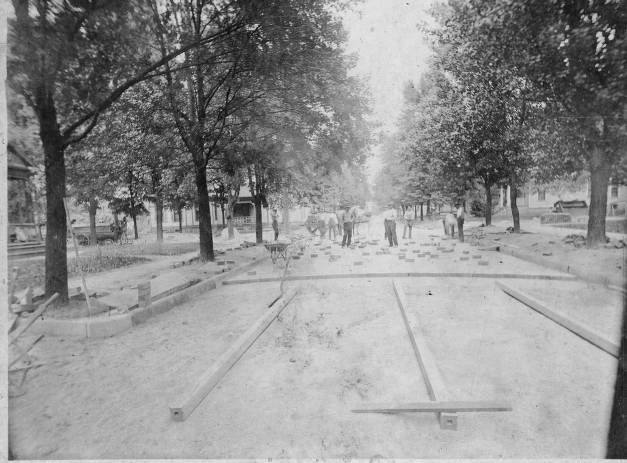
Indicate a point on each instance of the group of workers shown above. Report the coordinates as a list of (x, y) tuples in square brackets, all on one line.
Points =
[(408, 219), (344, 220)]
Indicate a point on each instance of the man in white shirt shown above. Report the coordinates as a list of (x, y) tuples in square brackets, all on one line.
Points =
[(389, 222), (461, 215), (348, 228), (408, 221)]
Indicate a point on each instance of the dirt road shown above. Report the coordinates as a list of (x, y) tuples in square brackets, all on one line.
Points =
[(340, 344)]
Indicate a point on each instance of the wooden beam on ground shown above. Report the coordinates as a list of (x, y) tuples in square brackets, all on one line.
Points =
[(42, 308), (337, 276), (220, 368), (83, 283), (25, 351), (438, 407), (562, 319), (26, 367), (431, 374), (12, 285)]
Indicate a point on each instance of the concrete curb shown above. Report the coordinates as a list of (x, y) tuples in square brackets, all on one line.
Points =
[(561, 267), (111, 325)]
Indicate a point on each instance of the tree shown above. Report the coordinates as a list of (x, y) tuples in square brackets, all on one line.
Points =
[(71, 62), (575, 53)]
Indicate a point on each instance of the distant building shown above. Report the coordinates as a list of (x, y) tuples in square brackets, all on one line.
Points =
[(21, 215), (243, 215), (544, 198)]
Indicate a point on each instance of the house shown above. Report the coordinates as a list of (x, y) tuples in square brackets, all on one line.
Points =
[(21, 215), (542, 197), (243, 215)]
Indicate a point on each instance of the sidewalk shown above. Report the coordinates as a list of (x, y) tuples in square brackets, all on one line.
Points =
[(545, 245)]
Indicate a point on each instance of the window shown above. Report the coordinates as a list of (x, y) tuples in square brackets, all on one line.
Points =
[(541, 195), (614, 192)]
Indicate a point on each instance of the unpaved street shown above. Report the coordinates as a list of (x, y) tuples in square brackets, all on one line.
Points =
[(339, 345)]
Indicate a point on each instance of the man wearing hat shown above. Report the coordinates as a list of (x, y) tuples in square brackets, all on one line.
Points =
[(389, 222), (348, 227), (275, 223), (460, 215)]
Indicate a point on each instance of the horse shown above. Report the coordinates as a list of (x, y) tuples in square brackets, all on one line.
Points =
[(449, 222)]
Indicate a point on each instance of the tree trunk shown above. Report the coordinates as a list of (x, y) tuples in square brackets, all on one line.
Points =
[(134, 217), (231, 200), (616, 442), (428, 208), (258, 220), (286, 221), (133, 214), (229, 219), (180, 212), (93, 208), (204, 214), (159, 216), (56, 225), (513, 195), (600, 170), (488, 204), (222, 210), (421, 212)]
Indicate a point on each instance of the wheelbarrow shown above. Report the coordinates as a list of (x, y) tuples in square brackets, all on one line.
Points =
[(278, 251)]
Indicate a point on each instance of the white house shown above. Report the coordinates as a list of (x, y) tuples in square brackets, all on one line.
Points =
[(544, 198), (243, 214)]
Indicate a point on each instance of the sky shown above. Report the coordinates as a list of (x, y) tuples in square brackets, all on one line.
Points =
[(391, 51)]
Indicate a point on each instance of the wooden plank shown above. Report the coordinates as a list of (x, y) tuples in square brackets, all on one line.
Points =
[(83, 283), (562, 319), (12, 285), (334, 276), (26, 350), (42, 308), (225, 362), (431, 374), (26, 367), (437, 406)]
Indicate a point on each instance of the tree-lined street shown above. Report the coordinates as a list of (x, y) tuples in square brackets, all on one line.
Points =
[(443, 184)]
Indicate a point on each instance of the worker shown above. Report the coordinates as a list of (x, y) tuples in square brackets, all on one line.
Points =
[(348, 227), (389, 223), (461, 215), (275, 223)]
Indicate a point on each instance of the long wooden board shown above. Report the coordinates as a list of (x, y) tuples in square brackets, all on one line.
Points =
[(42, 308), (450, 407), (225, 362), (25, 350), (337, 276), (431, 374), (562, 319)]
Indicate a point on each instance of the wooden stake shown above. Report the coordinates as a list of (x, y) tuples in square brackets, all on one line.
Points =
[(26, 350), (227, 360), (453, 406), (69, 224), (13, 284), (42, 308), (562, 319), (431, 374)]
